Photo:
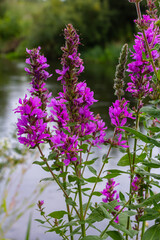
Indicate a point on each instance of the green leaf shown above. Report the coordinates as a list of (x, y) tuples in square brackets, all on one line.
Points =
[(110, 206), (39, 163), (158, 74), (111, 175), (86, 137), (97, 194), (131, 233), (130, 213), (152, 164), (40, 221), (90, 162), (46, 179), (63, 174), (154, 129), (124, 161), (142, 137), (157, 46), (70, 201), (57, 214), (71, 124), (105, 158), (72, 178), (85, 189), (152, 233), (143, 173), (46, 169), (91, 237), (52, 156), (121, 196), (84, 147), (92, 170), (149, 216), (93, 179), (144, 56), (148, 202), (115, 235), (98, 214), (153, 112), (75, 231)]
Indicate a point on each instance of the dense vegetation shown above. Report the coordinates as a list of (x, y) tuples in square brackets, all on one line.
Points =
[(37, 22)]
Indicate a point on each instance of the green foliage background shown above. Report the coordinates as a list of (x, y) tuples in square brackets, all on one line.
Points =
[(26, 23)]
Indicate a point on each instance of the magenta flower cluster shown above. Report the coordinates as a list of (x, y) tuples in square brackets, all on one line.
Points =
[(32, 127), (70, 117), (70, 110), (136, 183), (119, 114), (32, 124), (111, 194), (141, 67)]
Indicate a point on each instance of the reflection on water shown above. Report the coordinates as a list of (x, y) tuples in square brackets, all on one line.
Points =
[(13, 85)]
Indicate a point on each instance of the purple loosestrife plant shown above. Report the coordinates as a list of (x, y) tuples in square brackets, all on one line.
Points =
[(66, 124), (141, 69), (111, 194), (71, 109)]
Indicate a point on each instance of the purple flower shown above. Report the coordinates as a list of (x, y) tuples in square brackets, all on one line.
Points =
[(38, 64), (66, 145), (111, 194), (72, 64), (119, 113), (141, 67), (32, 128), (136, 183), (70, 110)]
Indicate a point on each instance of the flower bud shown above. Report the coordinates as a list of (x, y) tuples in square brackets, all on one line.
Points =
[(120, 72)]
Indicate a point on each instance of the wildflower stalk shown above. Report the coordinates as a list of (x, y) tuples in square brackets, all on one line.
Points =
[(100, 172), (81, 209), (146, 196), (135, 140), (82, 173), (57, 181), (78, 172), (68, 208), (47, 220), (102, 234)]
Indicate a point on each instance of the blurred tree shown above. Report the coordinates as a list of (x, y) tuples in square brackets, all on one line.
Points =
[(48, 24)]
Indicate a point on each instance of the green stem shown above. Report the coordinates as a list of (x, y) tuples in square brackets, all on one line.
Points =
[(146, 196), (57, 181), (90, 197), (82, 173), (86, 159), (78, 173), (131, 177), (68, 209), (81, 209), (135, 140), (101, 235)]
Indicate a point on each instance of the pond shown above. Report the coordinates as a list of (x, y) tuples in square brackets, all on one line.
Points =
[(13, 85)]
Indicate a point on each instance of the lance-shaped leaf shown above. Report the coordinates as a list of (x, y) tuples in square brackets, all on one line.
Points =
[(142, 136), (152, 233)]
